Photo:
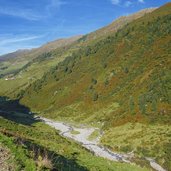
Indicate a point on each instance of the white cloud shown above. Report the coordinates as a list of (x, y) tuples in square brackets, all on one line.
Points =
[(141, 1), (21, 13), (115, 2), (32, 14), (128, 3), (11, 43), (56, 3), (11, 40), (53, 6)]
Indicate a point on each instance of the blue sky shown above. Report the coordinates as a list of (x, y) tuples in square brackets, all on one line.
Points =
[(31, 23)]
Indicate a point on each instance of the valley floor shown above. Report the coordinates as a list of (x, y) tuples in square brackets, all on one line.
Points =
[(82, 135), (33, 145)]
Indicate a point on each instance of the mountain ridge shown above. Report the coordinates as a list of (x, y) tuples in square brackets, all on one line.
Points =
[(120, 22), (108, 28)]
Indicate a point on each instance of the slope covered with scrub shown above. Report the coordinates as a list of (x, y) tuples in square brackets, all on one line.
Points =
[(23, 67), (124, 77)]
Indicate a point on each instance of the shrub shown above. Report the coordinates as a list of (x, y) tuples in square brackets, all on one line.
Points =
[(43, 162), (154, 104), (106, 82), (126, 70), (142, 104), (94, 81), (91, 87), (132, 105), (104, 65), (95, 97)]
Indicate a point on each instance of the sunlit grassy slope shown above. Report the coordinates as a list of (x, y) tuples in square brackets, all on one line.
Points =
[(123, 78), (24, 67), (31, 145), (21, 68), (18, 58), (144, 140)]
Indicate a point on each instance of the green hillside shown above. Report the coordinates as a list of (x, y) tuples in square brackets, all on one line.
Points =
[(123, 78), (22, 68), (18, 72), (30, 145), (119, 82)]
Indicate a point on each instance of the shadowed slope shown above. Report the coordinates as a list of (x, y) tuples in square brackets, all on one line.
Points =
[(14, 111)]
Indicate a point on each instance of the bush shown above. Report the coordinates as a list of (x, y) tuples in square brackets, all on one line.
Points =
[(95, 97), (142, 104), (132, 105), (94, 81), (106, 82), (104, 65), (126, 70)]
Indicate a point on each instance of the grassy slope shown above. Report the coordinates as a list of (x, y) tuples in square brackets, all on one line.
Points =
[(134, 62), (124, 78), (18, 155), (65, 155), (116, 25), (29, 72), (7, 161), (20, 57), (144, 140), (27, 67)]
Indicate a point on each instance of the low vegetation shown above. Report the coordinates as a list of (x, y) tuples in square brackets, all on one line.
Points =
[(75, 132), (40, 147), (143, 140), (94, 135), (6, 158)]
